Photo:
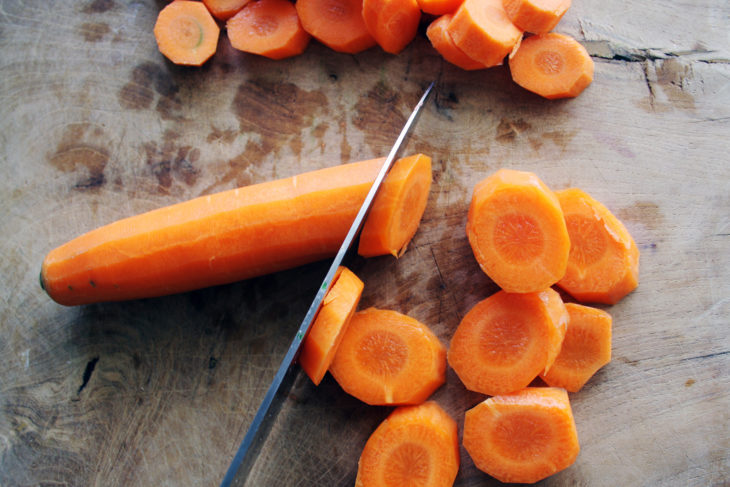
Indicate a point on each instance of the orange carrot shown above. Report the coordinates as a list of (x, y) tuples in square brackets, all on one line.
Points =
[(393, 23), (603, 266), (415, 445), (224, 9), (389, 358), (506, 340), (483, 31), (337, 24), (517, 231), (329, 327), (439, 7), (552, 65), (522, 437), (442, 42), (270, 28), (536, 16), (186, 33), (397, 208), (586, 348)]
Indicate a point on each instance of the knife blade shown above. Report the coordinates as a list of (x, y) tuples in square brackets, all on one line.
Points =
[(242, 463)]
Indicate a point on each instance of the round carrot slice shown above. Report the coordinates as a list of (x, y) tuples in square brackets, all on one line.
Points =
[(393, 23), (224, 9), (338, 24), (186, 33), (536, 16)]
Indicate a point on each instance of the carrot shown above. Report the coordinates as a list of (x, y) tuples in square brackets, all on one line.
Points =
[(552, 65), (186, 33), (414, 445), (506, 340), (439, 7), (517, 231), (389, 358), (603, 266), (224, 9), (442, 42), (338, 306), (483, 31), (393, 23), (522, 437), (270, 28), (586, 348), (397, 208), (337, 24), (536, 16)]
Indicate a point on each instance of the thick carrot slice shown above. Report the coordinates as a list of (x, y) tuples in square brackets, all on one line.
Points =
[(337, 24), (522, 437), (224, 9), (506, 340), (603, 266), (439, 7), (552, 66), (483, 31), (329, 327), (397, 208), (387, 358), (517, 231), (536, 16), (586, 348), (186, 33), (414, 446), (393, 23), (270, 28), (442, 42)]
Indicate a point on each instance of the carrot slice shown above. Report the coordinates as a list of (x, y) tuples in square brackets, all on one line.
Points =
[(270, 28), (186, 33), (517, 231), (536, 16), (552, 66), (442, 42), (439, 7), (506, 340), (586, 348), (522, 437), (603, 266), (337, 24), (397, 208), (414, 445), (483, 31), (389, 358), (393, 23), (329, 327), (224, 9)]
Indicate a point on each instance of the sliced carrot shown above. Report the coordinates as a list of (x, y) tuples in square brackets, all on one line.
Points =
[(536, 16), (393, 23), (586, 348), (397, 208), (337, 24), (442, 42), (186, 33), (603, 266), (506, 340), (483, 31), (413, 446), (224, 9), (388, 358), (270, 28), (522, 437), (517, 231), (338, 306), (552, 66), (439, 7)]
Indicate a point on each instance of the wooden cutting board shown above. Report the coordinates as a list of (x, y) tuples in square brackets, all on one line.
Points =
[(96, 125)]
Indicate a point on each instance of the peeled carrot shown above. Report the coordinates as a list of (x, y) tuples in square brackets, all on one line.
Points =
[(270, 28), (522, 437), (186, 33), (439, 7), (506, 340), (337, 24), (552, 66), (517, 231), (393, 23), (413, 446), (536, 16), (397, 208), (338, 306), (586, 348), (442, 42), (224, 9), (603, 266), (387, 358)]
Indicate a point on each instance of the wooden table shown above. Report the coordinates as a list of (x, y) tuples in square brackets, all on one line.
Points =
[(96, 125)]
